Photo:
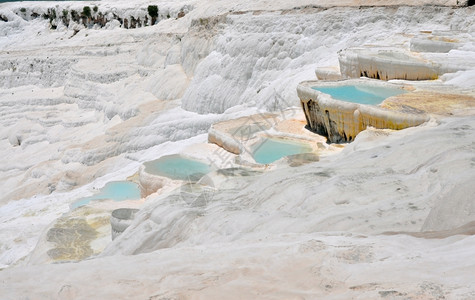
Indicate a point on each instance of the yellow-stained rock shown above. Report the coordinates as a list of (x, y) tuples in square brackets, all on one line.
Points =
[(431, 102)]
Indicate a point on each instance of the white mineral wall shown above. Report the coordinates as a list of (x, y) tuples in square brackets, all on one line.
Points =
[(150, 183), (392, 63), (386, 65), (225, 141), (424, 44)]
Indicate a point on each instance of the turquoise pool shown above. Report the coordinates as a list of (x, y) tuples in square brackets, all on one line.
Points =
[(271, 150), (177, 167), (115, 190), (360, 93)]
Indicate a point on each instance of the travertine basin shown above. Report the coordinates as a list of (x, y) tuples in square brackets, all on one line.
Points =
[(341, 120)]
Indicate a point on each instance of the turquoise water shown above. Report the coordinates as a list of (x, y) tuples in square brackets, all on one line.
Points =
[(359, 93), (271, 150), (115, 190), (177, 167)]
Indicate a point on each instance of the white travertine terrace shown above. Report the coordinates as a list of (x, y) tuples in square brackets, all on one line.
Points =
[(437, 56), (241, 136), (232, 135), (341, 121), (386, 64), (328, 73), (439, 41), (121, 218), (80, 107), (150, 183)]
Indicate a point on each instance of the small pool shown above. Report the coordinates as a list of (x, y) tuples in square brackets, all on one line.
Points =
[(270, 150), (177, 167), (115, 190), (362, 94)]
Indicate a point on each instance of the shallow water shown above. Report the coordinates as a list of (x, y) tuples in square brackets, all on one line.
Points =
[(116, 191), (271, 150), (177, 167), (360, 93)]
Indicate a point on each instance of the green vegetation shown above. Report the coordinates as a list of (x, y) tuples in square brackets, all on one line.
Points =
[(74, 15), (23, 10), (52, 13), (95, 9), (86, 11), (153, 11)]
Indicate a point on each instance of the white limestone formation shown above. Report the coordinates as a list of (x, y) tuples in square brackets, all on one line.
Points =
[(430, 57), (328, 73), (341, 121), (121, 219), (80, 107), (234, 135), (386, 64), (151, 183), (438, 42)]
